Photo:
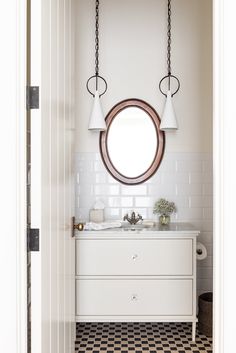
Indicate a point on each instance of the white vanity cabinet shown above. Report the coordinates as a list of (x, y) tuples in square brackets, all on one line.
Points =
[(141, 275)]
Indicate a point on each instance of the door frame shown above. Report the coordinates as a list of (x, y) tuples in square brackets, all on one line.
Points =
[(13, 302), (224, 171), (224, 174)]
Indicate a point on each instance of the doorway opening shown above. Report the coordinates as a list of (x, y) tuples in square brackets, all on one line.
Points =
[(186, 173)]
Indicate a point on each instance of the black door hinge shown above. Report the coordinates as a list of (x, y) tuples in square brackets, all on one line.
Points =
[(33, 239), (32, 97)]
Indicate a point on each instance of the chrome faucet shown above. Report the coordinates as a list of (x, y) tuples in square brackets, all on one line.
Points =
[(133, 219)]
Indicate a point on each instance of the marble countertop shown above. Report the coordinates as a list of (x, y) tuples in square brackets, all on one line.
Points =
[(173, 229)]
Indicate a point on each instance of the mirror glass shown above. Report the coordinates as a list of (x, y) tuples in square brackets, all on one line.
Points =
[(132, 147), (132, 142)]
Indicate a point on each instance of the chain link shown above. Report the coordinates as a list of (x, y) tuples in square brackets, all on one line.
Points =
[(96, 76), (169, 38), (169, 76), (97, 39)]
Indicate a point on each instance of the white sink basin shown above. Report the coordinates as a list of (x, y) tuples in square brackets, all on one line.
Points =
[(130, 227)]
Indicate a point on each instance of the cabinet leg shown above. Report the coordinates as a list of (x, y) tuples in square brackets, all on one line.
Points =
[(193, 331)]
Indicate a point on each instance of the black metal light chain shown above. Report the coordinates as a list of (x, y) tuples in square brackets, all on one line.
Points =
[(97, 76), (169, 38), (97, 40), (169, 75)]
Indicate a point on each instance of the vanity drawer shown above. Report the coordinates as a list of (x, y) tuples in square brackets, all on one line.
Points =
[(134, 297), (152, 257)]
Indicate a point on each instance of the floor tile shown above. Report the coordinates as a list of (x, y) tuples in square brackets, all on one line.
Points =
[(139, 338)]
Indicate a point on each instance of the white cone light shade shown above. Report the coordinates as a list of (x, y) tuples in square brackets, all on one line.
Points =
[(169, 121), (97, 121)]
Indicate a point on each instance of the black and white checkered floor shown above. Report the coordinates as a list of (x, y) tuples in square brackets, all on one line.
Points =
[(138, 338)]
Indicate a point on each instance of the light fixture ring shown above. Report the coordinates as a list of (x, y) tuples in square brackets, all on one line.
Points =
[(169, 76), (97, 77)]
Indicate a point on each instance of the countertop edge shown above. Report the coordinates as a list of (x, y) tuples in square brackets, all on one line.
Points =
[(174, 230)]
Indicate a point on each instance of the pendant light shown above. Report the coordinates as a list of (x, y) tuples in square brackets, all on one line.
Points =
[(97, 121), (168, 120)]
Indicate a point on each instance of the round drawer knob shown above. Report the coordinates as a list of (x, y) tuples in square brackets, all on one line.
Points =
[(134, 297), (134, 257)]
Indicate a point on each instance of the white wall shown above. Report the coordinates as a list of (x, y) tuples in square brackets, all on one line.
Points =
[(133, 60)]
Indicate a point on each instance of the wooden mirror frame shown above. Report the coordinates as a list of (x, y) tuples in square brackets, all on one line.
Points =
[(160, 142)]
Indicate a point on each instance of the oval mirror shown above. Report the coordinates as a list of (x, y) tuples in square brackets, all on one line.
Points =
[(133, 145)]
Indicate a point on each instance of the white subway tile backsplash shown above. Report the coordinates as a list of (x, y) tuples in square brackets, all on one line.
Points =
[(79, 157), (150, 214), (97, 156), (170, 178), (86, 201), (98, 166), (208, 213), (106, 189), (86, 178), (142, 211), (143, 202), (100, 178), (204, 285), (154, 190), (82, 214), (195, 177), (208, 262), (188, 157), (189, 190), (190, 214), (207, 165), (207, 177), (204, 272), (199, 177), (167, 178), (86, 189), (111, 180), (134, 190), (155, 179), (180, 201), (85, 166), (189, 166), (120, 201), (114, 202), (100, 190), (207, 189), (167, 165), (127, 201), (162, 190), (184, 178), (209, 248), (206, 225), (200, 201), (112, 213), (113, 189), (205, 237)]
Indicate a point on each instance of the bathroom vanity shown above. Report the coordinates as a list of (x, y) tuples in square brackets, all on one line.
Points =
[(137, 274)]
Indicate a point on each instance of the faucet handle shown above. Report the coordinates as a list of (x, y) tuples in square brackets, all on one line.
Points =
[(133, 219)]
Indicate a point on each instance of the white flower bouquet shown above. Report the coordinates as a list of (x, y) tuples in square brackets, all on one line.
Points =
[(165, 209)]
